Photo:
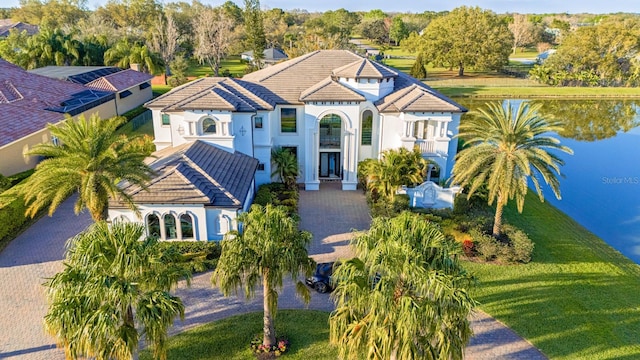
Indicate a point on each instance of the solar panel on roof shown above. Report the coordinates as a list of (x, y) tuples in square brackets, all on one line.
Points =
[(89, 76), (83, 101)]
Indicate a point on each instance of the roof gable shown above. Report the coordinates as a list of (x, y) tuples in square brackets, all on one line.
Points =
[(120, 80), (330, 90), (219, 93), (417, 98), (364, 68)]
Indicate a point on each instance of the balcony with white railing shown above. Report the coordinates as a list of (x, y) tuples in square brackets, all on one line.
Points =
[(426, 146)]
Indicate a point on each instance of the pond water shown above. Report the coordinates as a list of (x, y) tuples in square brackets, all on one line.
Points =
[(601, 187)]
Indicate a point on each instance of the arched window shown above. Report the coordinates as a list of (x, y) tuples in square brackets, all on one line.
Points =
[(224, 224), (170, 227), (186, 225), (153, 226), (330, 131), (367, 127), (208, 126)]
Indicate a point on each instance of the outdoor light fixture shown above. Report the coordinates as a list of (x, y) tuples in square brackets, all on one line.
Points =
[(181, 130), (242, 130)]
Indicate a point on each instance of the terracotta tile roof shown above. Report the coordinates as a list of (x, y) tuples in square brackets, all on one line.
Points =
[(120, 81), (330, 90), (197, 173), (24, 98), (364, 68)]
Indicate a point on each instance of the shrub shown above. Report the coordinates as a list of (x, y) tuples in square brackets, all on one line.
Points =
[(12, 218), (278, 194), (399, 204), (521, 246), (514, 246), (197, 256), (468, 247), (5, 183), (487, 247)]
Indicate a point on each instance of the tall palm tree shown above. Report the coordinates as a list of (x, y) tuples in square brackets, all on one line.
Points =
[(395, 168), (111, 282), (91, 159), (404, 295), (506, 149), (269, 247)]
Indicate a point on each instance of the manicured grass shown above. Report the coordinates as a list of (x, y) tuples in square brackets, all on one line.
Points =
[(532, 91), (577, 299), (402, 64), (233, 63), (160, 89), (228, 339)]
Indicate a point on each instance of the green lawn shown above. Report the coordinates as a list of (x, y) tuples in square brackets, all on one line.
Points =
[(233, 63), (228, 339), (577, 299), (491, 91)]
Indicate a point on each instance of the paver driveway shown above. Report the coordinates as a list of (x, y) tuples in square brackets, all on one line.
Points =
[(330, 214)]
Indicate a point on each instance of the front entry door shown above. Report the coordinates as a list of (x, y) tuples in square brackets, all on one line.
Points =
[(330, 165)]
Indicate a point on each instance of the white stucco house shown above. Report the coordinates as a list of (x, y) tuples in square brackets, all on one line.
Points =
[(330, 108)]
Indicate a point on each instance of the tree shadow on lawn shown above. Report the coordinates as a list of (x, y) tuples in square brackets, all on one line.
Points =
[(230, 338), (575, 315)]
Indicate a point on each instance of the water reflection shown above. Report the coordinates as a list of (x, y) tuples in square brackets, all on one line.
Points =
[(601, 187), (590, 120)]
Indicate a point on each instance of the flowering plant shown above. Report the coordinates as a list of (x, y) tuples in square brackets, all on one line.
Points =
[(281, 346)]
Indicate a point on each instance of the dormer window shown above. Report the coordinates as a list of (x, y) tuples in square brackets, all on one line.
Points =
[(208, 126)]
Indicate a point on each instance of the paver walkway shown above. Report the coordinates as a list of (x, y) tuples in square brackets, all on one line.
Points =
[(330, 214)]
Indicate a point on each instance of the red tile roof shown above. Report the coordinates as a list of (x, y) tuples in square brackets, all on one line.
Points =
[(24, 98), (119, 81)]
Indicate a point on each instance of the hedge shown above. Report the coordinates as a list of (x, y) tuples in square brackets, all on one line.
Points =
[(12, 218)]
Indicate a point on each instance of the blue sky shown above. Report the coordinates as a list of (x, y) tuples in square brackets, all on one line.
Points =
[(499, 6)]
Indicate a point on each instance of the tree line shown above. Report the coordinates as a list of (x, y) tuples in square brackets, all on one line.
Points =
[(591, 49)]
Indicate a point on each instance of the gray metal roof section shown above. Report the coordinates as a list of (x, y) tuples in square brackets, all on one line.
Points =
[(198, 173), (77, 74)]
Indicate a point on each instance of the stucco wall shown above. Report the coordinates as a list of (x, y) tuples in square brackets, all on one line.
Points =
[(137, 98), (13, 160), (197, 212)]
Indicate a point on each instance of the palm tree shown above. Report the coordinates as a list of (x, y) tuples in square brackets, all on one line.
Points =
[(286, 166), (506, 149), (111, 282), (404, 295), (91, 159), (124, 53), (395, 168), (269, 247)]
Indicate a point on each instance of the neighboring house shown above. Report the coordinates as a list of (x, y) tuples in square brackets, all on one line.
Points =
[(196, 193), (543, 56), (29, 101), (270, 56), (6, 25), (132, 88)]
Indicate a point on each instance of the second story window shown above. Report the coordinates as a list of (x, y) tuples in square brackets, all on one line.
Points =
[(208, 126), (166, 120), (288, 120)]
